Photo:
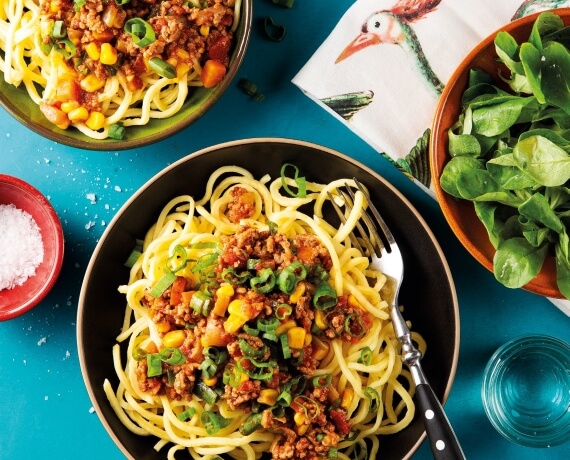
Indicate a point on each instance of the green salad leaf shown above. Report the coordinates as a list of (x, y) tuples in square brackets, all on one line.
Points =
[(510, 153)]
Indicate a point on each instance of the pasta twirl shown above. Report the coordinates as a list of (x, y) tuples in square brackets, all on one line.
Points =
[(252, 327), (101, 66)]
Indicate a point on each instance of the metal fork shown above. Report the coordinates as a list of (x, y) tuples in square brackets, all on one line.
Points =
[(387, 258)]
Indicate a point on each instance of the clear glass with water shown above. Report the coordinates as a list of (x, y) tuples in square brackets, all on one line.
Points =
[(526, 390)]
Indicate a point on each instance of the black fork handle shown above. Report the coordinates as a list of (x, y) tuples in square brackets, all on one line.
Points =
[(443, 442)]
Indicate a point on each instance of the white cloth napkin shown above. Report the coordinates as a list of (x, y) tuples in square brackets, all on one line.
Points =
[(382, 68)]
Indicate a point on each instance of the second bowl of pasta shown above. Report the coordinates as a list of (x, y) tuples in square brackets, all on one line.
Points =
[(104, 75), (226, 312)]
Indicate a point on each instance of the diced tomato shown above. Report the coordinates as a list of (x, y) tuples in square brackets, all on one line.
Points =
[(104, 36), (67, 90), (178, 287), (213, 73), (54, 115), (219, 49), (340, 421)]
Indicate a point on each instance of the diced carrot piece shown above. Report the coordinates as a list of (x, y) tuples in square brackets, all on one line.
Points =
[(213, 73), (54, 115), (178, 287), (67, 90)]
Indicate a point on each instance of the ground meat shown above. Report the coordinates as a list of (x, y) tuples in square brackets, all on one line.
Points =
[(183, 381), (246, 391), (311, 251), (242, 205)]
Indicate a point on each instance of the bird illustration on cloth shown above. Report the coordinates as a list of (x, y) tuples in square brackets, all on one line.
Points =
[(393, 26), (532, 6)]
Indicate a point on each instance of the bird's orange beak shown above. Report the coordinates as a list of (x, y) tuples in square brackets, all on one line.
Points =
[(364, 40)]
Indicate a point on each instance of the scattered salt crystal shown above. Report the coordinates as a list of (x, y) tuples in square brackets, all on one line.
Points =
[(8, 134), (117, 188), (42, 341), (91, 409), (45, 398), (89, 224), (91, 197), (106, 206), (21, 246)]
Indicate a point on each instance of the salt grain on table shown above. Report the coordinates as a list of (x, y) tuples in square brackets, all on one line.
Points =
[(21, 246)]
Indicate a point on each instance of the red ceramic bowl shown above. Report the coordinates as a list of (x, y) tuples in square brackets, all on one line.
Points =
[(20, 299), (460, 215)]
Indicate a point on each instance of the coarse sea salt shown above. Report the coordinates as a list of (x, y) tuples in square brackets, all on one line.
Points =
[(21, 246)]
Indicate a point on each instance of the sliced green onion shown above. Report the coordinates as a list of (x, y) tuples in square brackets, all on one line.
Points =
[(284, 398), (208, 368), (77, 4), (200, 303), (270, 336), (139, 353), (352, 435), (205, 261), (322, 380), (122, 2), (213, 422), (267, 324), (290, 276), (163, 283), (283, 310), (250, 330), (325, 296), (350, 322), (230, 276), (263, 283), (170, 274), (307, 404), (249, 351), (285, 346), (374, 399), (172, 356), (117, 131), (154, 365), (133, 257), (59, 29), (205, 393), (164, 69), (300, 181), (215, 354), (262, 371), (66, 48), (332, 453), (365, 356), (231, 376), (251, 424), (188, 413), (204, 245), (171, 376), (250, 89), (272, 227), (273, 31), (141, 32), (320, 273), (252, 263), (285, 3)]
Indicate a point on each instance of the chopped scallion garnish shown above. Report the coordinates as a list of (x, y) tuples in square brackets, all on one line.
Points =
[(141, 32), (300, 181), (162, 68)]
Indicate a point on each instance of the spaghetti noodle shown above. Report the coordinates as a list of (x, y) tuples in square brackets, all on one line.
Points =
[(101, 66), (252, 327)]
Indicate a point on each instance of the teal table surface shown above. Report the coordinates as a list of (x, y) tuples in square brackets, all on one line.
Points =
[(45, 411)]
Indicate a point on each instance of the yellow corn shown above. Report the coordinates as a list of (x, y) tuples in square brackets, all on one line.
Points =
[(109, 54), (182, 69), (301, 429), (268, 396), (95, 121), (284, 327), (296, 337), (320, 320), (299, 418), (236, 307), (234, 323), (225, 290), (182, 54), (53, 7), (78, 114), (174, 339), (210, 381), (204, 30), (297, 293), (320, 349), (163, 326), (308, 339), (347, 396), (353, 302), (93, 51), (68, 106), (91, 83), (223, 295)]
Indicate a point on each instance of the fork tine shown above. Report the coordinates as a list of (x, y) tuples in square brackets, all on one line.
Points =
[(383, 226), (350, 205)]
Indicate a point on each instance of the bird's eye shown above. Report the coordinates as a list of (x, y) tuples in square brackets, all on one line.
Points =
[(377, 24)]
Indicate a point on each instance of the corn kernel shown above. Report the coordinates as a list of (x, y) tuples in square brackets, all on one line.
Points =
[(78, 114), (347, 396), (299, 418), (296, 337), (268, 396), (174, 339), (163, 326), (53, 7), (95, 121), (225, 290), (320, 349), (210, 381), (308, 339), (234, 323), (182, 54), (204, 30), (320, 320), (284, 327), (91, 83), (297, 293), (68, 106), (301, 429), (93, 51), (236, 307), (109, 54), (182, 69)]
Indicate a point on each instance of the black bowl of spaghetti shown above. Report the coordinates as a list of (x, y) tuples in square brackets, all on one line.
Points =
[(101, 75), (225, 313)]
